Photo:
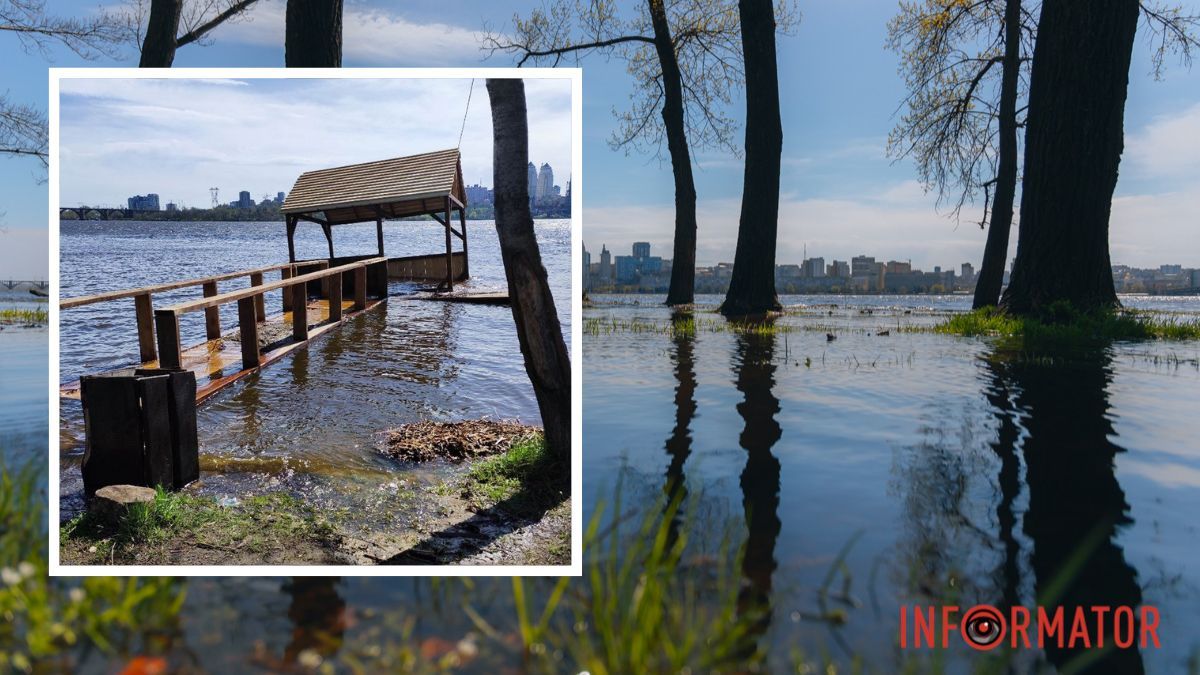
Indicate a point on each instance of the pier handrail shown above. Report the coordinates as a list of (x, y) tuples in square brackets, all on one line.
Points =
[(231, 296), (68, 303), (144, 306), (166, 321)]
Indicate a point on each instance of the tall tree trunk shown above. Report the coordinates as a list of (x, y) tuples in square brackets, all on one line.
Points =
[(158, 49), (752, 288), (538, 329), (683, 266), (995, 251), (1073, 146), (314, 34)]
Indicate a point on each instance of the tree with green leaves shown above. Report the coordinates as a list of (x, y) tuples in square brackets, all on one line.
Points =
[(685, 59)]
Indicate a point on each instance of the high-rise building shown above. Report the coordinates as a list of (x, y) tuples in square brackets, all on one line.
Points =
[(587, 269), (862, 266), (968, 273), (171, 207), (545, 183), (148, 202), (279, 197), (641, 249), (244, 201), (478, 194), (814, 268), (605, 263), (840, 269), (533, 181), (897, 267)]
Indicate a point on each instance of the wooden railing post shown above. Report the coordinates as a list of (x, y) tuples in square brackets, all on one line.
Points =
[(260, 305), (300, 311), (284, 275), (248, 323), (335, 297), (145, 326), (212, 315), (360, 287), (166, 323)]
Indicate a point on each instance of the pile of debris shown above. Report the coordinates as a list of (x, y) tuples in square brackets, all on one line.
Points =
[(457, 441)]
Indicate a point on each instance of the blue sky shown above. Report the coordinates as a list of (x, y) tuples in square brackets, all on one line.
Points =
[(841, 196)]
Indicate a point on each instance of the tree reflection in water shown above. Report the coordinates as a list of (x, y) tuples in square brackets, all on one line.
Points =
[(1075, 501), (679, 443), (754, 369)]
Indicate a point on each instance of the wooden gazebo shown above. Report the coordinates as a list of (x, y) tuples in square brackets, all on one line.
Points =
[(426, 184)]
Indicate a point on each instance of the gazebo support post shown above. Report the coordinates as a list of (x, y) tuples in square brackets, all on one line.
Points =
[(329, 238), (291, 235), (449, 252), (462, 221), (379, 233)]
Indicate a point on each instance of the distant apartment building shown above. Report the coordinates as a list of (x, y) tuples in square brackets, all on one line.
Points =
[(279, 197), (605, 264), (244, 201), (587, 269), (479, 195), (839, 269), (632, 269), (172, 207), (148, 202), (641, 249), (967, 273), (897, 267), (862, 266), (545, 183), (814, 268)]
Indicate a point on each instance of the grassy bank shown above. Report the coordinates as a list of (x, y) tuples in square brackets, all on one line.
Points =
[(178, 528), (1063, 324)]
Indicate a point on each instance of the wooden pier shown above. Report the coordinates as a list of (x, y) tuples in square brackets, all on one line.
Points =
[(317, 294), (313, 303)]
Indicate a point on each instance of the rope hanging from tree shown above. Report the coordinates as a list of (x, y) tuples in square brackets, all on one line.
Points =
[(465, 111)]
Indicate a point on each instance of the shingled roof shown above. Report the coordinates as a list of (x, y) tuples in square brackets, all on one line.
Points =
[(391, 188)]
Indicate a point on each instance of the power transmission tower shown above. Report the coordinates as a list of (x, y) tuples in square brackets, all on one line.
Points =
[(214, 191)]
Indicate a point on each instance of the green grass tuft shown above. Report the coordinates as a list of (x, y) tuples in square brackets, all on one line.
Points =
[(528, 478), (1061, 323)]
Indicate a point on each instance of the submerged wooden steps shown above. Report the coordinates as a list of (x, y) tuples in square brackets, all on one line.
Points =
[(469, 298), (217, 363)]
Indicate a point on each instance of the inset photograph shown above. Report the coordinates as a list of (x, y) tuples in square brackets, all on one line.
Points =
[(314, 321)]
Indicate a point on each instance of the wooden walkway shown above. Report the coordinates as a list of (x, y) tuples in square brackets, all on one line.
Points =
[(469, 298), (218, 363), (258, 340)]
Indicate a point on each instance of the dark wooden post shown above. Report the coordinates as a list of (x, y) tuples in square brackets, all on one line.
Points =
[(329, 237), (212, 315), (166, 323), (248, 323), (379, 233), (462, 221), (360, 287), (300, 311), (449, 253), (260, 305), (145, 327), (284, 275), (291, 235), (335, 297)]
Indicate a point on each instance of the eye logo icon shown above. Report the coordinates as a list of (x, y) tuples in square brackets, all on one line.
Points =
[(983, 627)]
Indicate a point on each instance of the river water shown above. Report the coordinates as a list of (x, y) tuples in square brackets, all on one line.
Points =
[(949, 470), (310, 423), (23, 385)]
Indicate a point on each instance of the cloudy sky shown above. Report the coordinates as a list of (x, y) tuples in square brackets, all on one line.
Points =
[(840, 91), (178, 138)]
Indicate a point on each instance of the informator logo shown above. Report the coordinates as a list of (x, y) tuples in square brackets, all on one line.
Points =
[(984, 627)]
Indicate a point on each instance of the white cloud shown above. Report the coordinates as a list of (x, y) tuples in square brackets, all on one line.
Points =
[(179, 137), (1168, 146), (370, 36)]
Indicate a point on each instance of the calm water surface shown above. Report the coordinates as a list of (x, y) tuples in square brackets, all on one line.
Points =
[(24, 384), (950, 470)]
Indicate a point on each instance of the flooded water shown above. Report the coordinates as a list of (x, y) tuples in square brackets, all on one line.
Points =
[(23, 385), (939, 469), (311, 422)]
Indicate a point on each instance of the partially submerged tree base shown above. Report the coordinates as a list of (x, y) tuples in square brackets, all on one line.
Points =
[(1061, 322)]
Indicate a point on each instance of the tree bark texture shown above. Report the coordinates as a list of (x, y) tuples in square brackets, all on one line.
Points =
[(752, 287), (1073, 146), (538, 329), (314, 34), (158, 48)]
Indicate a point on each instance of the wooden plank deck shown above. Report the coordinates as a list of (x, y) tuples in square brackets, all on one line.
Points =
[(470, 298), (217, 363)]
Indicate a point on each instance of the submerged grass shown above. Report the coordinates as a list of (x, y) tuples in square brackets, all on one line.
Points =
[(1062, 323), (37, 316)]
